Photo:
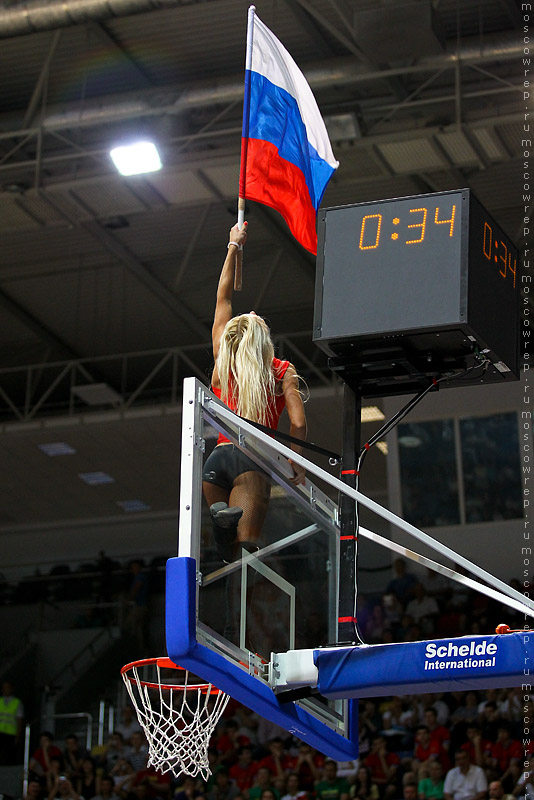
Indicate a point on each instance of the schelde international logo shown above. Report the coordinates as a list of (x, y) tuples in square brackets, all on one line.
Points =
[(470, 655)]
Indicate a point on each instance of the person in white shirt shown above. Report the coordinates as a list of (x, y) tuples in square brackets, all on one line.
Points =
[(62, 789), (465, 781), (137, 754), (128, 724), (423, 609), (294, 792)]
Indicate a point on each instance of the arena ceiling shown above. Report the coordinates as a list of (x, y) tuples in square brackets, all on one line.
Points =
[(110, 281)]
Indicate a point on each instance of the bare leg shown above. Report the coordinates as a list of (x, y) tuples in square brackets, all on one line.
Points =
[(251, 492)]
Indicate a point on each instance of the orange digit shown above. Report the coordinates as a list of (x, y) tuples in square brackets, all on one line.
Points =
[(510, 266), (487, 228), (504, 259), (421, 225), (446, 221), (362, 232)]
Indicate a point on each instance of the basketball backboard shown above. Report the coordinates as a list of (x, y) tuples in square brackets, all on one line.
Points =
[(263, 628), (227, 619)]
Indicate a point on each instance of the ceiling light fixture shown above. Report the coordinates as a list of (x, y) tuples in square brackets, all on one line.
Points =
[(96, 394), (136, 158), (95, 478), (372, 414), (57, 449), (131, 506)]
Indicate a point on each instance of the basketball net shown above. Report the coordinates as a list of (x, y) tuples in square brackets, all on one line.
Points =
[(178, 718)]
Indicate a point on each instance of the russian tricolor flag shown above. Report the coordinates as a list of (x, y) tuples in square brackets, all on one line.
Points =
[(286, 156)]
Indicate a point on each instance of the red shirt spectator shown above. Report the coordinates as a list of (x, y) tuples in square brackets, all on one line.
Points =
[(428, 748), (244, 770), (307, 765), (278, 761), (505, 749), (228, 744), (479, 749), (40, 760), (158, 783), (383, 765), (438, 733)]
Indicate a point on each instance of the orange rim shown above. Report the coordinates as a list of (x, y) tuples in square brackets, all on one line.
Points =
[(165, 663)]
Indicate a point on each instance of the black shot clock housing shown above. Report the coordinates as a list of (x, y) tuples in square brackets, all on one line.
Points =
[(411, 288)]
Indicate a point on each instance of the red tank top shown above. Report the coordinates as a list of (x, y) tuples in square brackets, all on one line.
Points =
[(277, 405)]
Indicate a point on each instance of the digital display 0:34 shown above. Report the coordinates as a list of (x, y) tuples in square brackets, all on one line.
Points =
[(494, 248), (371, 227)]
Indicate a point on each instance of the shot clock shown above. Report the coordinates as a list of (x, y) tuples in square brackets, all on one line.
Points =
[(415, 286)]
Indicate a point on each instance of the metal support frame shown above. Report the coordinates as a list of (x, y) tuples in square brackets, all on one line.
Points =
[(261, 441), (43, 379), (287, 588), (263, 552), (352, 413), (470, 56)]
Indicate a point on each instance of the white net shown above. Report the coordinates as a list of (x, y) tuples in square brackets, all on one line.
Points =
[(178, 720)]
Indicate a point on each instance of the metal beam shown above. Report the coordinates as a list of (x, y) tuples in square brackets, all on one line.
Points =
[(24, 405), (191, 245), (404, 102), (301, 258), (42, 81), (346, 15), (45, 15), (459, 177), (143, 274), (349, 44), (119, 250), (269, 275), (309, 26), (305, 360), (102, 33), (45, 334), (341, 72)]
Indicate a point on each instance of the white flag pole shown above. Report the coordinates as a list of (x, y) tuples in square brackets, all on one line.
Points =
[(238, 276)]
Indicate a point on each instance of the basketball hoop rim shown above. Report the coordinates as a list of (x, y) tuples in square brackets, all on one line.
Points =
[(164, 662)]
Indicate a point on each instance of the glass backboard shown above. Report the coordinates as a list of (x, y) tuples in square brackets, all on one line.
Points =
[(278, 593)]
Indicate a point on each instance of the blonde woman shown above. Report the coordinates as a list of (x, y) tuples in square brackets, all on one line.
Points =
[(257, 386)]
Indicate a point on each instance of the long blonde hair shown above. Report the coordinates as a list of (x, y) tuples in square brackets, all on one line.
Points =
[(244, 365)]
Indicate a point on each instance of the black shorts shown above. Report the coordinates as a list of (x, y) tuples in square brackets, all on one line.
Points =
[(225, 463)]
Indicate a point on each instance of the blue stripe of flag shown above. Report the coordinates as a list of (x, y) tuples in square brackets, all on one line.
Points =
[(275, 117)]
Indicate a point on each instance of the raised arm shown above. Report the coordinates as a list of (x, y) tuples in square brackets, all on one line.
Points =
[(297, 418), (225, 289)]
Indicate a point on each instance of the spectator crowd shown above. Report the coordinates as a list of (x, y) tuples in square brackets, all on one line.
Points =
[(473, 745), (455, 746)]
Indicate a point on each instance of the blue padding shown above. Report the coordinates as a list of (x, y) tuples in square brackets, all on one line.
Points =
[(183, 649), (180, 606), (468, 662)]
